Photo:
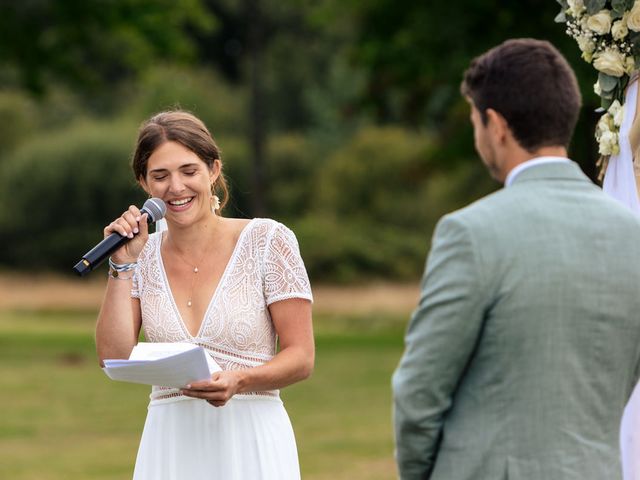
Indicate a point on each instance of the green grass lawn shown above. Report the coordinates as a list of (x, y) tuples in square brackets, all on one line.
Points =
[(62, 418)]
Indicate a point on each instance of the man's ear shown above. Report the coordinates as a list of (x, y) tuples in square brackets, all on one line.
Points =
[(497, 124)]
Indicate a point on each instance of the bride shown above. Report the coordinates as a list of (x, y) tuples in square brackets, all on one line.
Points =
[(236, 287)]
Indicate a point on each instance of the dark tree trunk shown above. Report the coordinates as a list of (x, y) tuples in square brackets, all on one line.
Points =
[(257, 109)]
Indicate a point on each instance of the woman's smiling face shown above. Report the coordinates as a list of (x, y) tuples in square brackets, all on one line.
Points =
[(180, 178)]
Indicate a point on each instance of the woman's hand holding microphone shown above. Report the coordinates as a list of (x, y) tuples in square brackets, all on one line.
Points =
[(133, 225)]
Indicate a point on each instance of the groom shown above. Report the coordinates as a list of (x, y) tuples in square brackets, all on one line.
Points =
[(525, 345)]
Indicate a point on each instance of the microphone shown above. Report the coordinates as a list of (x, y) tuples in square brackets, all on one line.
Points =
[(154, 207)]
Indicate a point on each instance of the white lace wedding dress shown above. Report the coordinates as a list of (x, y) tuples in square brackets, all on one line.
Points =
[(251, 437)]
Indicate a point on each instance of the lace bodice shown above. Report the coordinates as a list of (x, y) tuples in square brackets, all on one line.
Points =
[(236, 330)]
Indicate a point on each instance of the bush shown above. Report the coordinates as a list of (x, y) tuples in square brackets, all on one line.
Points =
[(377, 177), (376, 203), (18, 114), (59, 191), (292, 173), (220, 106), (236, 168), (346, 251)]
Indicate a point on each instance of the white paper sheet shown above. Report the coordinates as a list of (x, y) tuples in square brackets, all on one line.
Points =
[(163, 364)]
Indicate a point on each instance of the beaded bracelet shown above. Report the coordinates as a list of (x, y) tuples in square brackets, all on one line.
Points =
[(117, 269), (122, 267)]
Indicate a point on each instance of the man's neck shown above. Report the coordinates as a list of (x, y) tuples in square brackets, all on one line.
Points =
[(548, 152), (522, 156)]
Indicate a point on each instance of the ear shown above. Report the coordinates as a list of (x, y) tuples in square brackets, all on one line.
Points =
[(497, 125), (143, 184), (214, 171)]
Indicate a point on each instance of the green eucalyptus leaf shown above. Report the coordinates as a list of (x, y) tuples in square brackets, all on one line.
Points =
[(594, 6), (616, 14), (605, 103), (561, 17), (618, 93), (607, 95), (622, 84), (607, 82), (563, 3), (619, 5)]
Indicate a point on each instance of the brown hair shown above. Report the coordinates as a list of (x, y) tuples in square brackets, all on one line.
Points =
[(187, 130), (532, 86)]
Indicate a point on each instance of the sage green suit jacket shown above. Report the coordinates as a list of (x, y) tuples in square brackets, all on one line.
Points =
[(525, 346)]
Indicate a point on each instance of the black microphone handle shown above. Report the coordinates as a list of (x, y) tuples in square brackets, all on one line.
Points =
[(98, 254)]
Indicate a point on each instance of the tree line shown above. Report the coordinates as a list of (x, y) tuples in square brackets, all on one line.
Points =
[(342, 119)]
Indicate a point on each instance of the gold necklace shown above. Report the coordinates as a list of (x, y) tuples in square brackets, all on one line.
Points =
[(195, 273)]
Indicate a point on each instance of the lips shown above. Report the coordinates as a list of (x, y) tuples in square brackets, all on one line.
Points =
[(180, 203)]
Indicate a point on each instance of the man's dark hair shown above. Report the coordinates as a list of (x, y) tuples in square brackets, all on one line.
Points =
[(532, 86)]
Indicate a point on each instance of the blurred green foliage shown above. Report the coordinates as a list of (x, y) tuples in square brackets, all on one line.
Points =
[(368, 141), (222, 106), (93, 43), (376, 202), (58, 190)]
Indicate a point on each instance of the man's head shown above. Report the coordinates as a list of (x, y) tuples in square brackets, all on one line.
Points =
[(523, 92)]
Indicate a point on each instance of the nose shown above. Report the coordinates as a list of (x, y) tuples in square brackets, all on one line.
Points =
[(175, 184)]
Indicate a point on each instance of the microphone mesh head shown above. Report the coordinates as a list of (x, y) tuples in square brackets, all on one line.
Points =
[(155, 208)]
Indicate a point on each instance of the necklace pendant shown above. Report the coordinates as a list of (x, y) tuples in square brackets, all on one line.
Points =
[(189, 303), (195, 269)]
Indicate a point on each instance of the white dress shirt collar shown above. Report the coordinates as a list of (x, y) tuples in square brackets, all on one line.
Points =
[(531, 163)]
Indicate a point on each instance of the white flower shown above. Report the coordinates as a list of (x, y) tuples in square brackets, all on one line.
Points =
[(610, 61), (608, 144), (597, 89), (604, 124), (616, 112), (617, 119), (633, 20), (629, 65), (619, 30), (600, 22), (586, 44), (587, 47), (610, 44), (576, 7), (607, 134)]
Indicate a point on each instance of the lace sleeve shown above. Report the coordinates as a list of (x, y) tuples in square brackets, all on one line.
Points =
[(284, 273)]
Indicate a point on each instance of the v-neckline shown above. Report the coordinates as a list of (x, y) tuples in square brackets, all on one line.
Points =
[(230, 262)]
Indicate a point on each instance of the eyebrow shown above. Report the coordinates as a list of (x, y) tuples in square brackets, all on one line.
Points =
[(186, 165)]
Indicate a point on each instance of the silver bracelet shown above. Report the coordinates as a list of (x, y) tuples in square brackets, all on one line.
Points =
[(122, 267)]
